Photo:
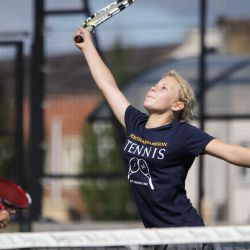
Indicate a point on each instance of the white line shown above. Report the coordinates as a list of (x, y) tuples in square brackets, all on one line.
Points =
[(126, 237)]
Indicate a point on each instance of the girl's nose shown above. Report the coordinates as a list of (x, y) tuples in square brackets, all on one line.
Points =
[(153, 88)]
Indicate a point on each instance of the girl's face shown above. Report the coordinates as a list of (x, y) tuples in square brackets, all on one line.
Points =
[(163, 97)]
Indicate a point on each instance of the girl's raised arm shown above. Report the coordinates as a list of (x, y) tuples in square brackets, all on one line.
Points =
[(234, 154), (103, 76)]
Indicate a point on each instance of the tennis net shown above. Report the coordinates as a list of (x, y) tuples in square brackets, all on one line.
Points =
[(196, 238)]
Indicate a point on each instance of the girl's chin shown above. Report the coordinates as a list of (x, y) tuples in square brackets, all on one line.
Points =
[(147, 107)]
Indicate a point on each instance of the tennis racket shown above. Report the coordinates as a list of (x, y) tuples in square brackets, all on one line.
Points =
[(103, 15), (12, 196)]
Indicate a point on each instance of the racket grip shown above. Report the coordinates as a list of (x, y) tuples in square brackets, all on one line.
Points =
[(80, 38), (1, 206)]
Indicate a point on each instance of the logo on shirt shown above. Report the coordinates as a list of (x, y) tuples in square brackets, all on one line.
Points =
[(139, 165), (145, 148)]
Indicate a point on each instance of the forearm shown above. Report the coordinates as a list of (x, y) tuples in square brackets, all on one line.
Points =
[(103, 77), (240, 156), (99, 70), (234, 154)]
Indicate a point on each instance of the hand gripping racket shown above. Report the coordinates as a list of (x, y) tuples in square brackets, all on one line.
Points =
[(12, 196), (103, 15)]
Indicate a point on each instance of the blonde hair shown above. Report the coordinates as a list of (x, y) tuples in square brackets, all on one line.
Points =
[(186, 95)]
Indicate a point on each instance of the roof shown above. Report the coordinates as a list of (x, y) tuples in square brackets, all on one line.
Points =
[(228, 84)]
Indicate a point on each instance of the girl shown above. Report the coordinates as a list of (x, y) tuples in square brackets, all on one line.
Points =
[(161, 146)]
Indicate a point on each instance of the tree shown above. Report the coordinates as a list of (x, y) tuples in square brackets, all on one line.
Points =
[(105, 199)]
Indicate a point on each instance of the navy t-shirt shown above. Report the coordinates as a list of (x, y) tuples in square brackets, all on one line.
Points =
[(157, 161)]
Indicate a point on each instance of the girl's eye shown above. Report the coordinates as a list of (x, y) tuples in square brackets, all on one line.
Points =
[(164, 88)]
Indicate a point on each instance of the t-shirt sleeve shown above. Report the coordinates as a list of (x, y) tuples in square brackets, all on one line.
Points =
[(196, 140), (133, 118)]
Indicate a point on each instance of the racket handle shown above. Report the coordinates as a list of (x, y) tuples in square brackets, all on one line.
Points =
[(80, 38), (1, 206)]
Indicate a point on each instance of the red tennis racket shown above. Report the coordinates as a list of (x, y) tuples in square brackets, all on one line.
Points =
[(12, 196)]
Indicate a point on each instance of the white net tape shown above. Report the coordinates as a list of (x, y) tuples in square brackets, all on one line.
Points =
[(128, 237)]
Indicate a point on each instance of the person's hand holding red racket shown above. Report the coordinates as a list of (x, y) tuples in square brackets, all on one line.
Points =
[(5, 217), (12, 197)]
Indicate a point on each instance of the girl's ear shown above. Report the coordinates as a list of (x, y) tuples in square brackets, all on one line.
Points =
[(178, 106)]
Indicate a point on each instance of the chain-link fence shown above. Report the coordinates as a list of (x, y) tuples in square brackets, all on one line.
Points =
[(74, 162)]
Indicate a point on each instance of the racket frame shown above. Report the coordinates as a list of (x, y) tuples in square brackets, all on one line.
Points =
[(7, 201), (103, 15)]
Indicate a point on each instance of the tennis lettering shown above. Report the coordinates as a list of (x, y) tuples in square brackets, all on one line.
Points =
[(144, 151)]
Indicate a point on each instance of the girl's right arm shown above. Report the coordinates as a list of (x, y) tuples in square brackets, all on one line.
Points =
[(103, 76)]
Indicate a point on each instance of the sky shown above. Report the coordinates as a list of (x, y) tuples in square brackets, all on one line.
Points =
[(146, 23)]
